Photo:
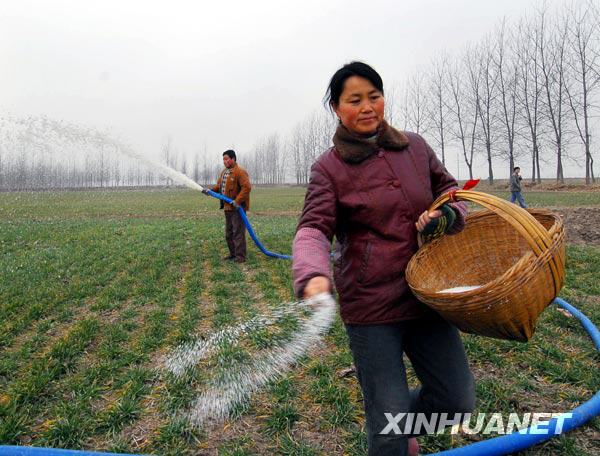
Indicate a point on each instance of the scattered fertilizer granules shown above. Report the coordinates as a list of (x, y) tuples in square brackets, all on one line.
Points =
[(238, 383), (189, 354), (215, 404)]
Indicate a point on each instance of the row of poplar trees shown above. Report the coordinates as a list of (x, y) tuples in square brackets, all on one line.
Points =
[(528, 92)]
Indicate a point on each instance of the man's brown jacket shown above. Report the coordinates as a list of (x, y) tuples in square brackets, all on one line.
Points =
[(237, 187)]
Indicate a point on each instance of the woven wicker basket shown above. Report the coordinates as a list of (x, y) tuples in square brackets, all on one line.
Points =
[(515, 256)]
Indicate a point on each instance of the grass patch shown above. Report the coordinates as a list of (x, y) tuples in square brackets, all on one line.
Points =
[(96, 287)]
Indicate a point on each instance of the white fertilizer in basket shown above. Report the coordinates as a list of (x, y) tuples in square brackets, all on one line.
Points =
[(460, 289)]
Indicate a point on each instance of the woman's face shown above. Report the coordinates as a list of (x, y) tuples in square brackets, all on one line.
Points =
[(361, 106)]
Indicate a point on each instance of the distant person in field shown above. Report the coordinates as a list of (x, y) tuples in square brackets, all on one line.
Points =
[(372, 191), (515, 187), (234, 183)]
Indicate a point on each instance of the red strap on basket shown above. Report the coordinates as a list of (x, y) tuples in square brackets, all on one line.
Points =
[(471, 184)]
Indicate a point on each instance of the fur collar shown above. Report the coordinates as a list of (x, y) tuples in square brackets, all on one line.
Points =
[(355, 149)]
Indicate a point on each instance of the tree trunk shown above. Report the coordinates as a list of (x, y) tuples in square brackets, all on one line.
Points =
[(490, 165), (537, 164), (533, 155), (560, 178)]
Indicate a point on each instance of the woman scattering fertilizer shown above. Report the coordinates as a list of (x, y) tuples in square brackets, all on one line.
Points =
[(372, 190)]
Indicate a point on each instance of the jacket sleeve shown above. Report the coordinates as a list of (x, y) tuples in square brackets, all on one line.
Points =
[(245, 186), (312, 243), (442, 182), (310, 258)]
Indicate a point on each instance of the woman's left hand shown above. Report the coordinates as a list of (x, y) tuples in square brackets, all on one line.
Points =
[(426, 217)]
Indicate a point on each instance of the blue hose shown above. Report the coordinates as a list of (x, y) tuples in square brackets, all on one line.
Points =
[(526, 438), (249, 227), (585, 321), (35, 451)]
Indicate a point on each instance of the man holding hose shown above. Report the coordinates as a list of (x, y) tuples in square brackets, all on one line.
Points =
[(234, 183)]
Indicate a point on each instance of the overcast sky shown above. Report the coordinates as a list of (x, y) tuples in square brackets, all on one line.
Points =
[(221, 73)]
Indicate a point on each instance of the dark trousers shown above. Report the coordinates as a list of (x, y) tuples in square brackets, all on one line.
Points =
[(438, 358), (516, 196), (235, 234)]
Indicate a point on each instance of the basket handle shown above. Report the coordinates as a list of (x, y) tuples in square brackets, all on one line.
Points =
[(534, 233)]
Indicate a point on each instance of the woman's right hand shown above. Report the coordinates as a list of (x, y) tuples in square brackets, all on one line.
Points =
[(316, 285)]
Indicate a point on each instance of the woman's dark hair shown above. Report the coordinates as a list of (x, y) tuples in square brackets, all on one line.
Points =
[(230, 153), (336, 84)]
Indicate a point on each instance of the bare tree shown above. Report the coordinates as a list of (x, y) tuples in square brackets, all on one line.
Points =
[(209, 177), (255, 162), (485, 94), (464, 111), (183, 164), (295, 151), (531, 85), (582, 38), (167, 155), (507, 70), (416, 104), (402, 110), (196, 170), (552, 51), (391, 104), (308, 140), (271, 160), (438, 107)]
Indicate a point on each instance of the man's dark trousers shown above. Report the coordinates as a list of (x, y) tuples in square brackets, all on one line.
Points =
[(235, 235)]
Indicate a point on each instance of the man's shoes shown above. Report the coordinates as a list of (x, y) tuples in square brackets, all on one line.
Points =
[(240, 260), (229, 258)]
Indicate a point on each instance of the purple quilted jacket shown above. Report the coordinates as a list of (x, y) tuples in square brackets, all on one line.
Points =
[(371, 207)]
